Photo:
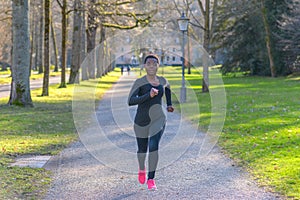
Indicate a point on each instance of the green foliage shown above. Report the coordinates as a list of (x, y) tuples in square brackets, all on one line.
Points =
[(45, 129), (289, 37), (241, 36)]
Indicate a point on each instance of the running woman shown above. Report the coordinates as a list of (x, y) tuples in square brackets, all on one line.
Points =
[(150, 119)]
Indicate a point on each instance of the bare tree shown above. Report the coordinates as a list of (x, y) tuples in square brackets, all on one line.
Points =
[(91, 33), (32, 33), (45, 91), (268, 38), (206, 41), (64, 21), (102, 52), (206, 13), (84, 71), (114, 15), (5, 30), (20, 85), (76, 41), (53, 34), (40, 35)]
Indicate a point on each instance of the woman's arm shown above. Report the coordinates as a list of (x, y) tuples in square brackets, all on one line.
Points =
[(167, 88), (168, 96), (134, 98)]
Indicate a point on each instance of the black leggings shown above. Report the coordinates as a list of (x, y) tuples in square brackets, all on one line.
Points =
[(143, 144)]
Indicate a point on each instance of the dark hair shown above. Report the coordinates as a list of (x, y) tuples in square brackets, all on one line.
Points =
[(151, 56)]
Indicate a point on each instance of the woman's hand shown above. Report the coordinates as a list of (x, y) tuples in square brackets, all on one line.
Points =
[(170, 109), (153, 92)]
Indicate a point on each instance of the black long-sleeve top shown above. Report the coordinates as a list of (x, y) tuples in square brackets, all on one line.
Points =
[(149, 109)]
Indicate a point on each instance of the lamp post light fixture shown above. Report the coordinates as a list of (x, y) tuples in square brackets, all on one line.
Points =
[(183, 23)]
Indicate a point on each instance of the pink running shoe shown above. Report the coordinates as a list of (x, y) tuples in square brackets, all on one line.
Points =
[(151, 184), (142, 176)]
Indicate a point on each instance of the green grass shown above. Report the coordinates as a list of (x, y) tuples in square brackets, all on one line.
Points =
[(261, 131), (44, 130), (262, 126)]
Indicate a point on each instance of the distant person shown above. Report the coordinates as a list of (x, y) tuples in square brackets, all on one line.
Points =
[(122, 69), (128, 69), (150, 119)]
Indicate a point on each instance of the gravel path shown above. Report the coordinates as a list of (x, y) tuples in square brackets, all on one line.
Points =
[(102, 165)]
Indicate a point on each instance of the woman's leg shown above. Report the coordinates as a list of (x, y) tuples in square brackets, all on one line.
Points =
[(142, 143), (153, 153), (142, 151)]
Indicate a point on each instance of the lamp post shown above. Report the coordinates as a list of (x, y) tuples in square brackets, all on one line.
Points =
[(183, 23)]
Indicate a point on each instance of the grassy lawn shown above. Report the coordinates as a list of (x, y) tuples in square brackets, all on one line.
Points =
[(262, 126), (261, 131), (43, 130)]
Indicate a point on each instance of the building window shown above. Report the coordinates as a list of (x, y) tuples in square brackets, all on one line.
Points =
[(174, 58)]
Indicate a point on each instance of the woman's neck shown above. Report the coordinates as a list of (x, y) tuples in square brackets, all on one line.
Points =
[(151, 77)]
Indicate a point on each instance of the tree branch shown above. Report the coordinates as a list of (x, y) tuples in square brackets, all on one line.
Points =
[(117, 26), (199, 26), (144, 22), (201, 7), (197, 21), (176, 7), (117, 3), (60, 4), (130, 14)]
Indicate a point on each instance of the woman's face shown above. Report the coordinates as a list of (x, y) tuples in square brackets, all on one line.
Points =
[(151, 66)]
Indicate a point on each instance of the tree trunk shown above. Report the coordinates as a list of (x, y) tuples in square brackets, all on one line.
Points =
[(31, 53), (91, 43), (54, 46), (268, 39), (37, 54), (45, 91), (99, 54), (76, 43), (32, 42), (188, 53), (20, 85), (101, 62), (205, 82), (213, 25), (84, 74), (91, 35), (40, 35), (64, 45)]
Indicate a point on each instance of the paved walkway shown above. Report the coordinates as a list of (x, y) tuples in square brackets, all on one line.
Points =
[(102, 165), (34, 84)]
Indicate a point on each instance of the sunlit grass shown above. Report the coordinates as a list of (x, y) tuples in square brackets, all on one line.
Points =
[(46, 128), (261, 130)]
